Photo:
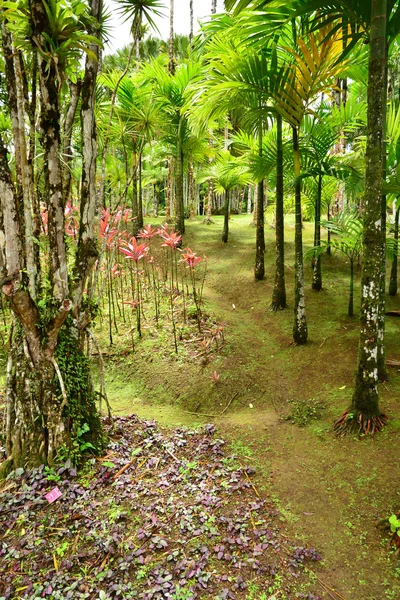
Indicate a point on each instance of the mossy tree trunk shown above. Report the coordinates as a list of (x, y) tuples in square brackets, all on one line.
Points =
[(300, 331), (382, 368), (279, 293), (51, 402), (364, 413), (394, 269), (42, 406)]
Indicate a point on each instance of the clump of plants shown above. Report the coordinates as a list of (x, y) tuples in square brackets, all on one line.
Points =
[(394, 522), (303, 412), (147, 280)]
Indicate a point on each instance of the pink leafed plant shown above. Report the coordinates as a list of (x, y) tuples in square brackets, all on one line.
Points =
[(148, 232), (171, 239), (134, 250), (191, 258)]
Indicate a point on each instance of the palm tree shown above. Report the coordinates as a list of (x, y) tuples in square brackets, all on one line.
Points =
[(237, 78), (306, 78), (227, 174), (140, 12), (346, 238), (321, 132), (377, 21), (171, 64), (141, 117), (170, 95)]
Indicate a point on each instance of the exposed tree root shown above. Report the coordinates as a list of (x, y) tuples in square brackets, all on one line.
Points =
[(348, 422), (275, 306), (208, 221)]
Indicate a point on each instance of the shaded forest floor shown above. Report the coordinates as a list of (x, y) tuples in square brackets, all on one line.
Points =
[(276, 404), (282, 401)]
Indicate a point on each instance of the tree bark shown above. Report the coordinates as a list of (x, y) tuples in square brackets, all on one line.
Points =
[(394, 269), (317, 273), (382, 369), (43, 410), (351, 296), (75, 91), (171, 64), (135, 203), (365, 402), (191, 23), (179, 203), (191, 191), (87, 252), (210, 192), (259, 269), (300, 332), (279, 293), (140, 194), (225, 231)]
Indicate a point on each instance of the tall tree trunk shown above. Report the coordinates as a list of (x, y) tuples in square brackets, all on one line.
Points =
[(393, 272), (210, 192), (156, 200), (254, 214), (364, 413), (135, 202), (328, 216), (171, 64), (225, 231), (279, 293), (191, 23), (191, 190), (140, 194), (170, 190), (249, 199), (27, 181), (317, 273), (351, 296), (259, 269), (74, 94), (300, 332), (179, 202), (382, 369), (46, 404)]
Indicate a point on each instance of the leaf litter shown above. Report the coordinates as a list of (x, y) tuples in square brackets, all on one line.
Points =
[(165, 514)]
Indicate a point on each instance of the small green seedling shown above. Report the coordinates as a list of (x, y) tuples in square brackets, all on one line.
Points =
[(394, 524)]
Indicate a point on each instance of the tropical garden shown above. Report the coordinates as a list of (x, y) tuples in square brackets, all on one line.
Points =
[(199, 353)]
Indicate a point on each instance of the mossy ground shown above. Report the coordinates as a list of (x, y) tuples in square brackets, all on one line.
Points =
[(331, 492)]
